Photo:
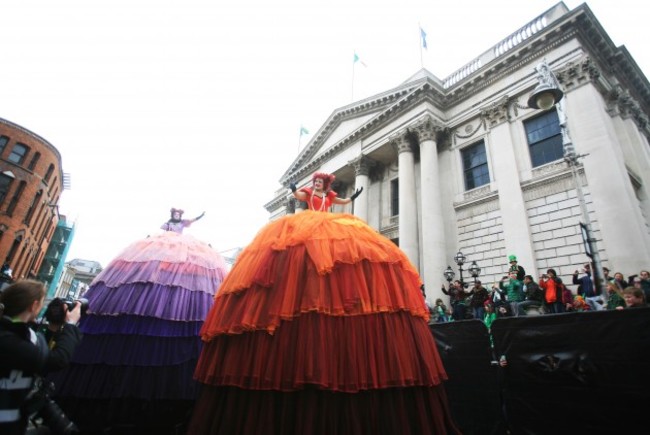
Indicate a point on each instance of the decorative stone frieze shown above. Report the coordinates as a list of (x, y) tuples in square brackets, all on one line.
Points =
[(477, 193)]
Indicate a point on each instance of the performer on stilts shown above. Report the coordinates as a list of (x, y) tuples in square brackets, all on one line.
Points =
[(320, 328), (134, 368)]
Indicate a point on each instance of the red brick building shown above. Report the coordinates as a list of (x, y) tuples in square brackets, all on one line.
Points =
[(31, 182)]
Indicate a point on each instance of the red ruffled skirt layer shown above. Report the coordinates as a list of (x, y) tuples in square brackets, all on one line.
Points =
[(320, 324)]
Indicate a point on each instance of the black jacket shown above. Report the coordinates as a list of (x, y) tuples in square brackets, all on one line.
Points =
[(25, 354)]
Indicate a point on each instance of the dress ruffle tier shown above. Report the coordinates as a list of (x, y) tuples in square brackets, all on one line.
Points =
[(141, 334), (320, 328)]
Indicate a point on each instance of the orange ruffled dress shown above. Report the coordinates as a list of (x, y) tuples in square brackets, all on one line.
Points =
[(320, 328)]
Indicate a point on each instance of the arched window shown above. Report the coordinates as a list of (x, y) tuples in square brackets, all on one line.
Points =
[(32, 164), (18, 153), (48, 174)]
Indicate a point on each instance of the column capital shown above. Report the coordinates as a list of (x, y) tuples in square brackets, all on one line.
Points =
[(401, 142), (497, 112), (362, 165), (427, 129)]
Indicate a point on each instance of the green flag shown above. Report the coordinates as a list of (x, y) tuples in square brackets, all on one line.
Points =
[(303, 130)]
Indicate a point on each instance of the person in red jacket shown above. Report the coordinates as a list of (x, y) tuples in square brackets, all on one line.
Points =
[(552, 287)]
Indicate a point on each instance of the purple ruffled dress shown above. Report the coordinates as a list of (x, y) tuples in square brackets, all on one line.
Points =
[(141, 334)]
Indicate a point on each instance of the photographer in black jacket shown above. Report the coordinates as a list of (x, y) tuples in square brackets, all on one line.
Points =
[(24, 353)]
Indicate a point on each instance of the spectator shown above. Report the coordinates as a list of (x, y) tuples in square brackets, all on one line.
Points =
[(550, 283), (645, 284), (25, 355), (567, 298), (634, 298), (457, 297), (490, 317), (579, 304), (635, 282), (534, 296), (479, 295), (615, 299), (521, 273), (513, 289), (620, 282), (587, 289), (440, 312)]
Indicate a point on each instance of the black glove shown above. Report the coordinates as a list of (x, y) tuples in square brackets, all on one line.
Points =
[(292, 186), (200, 216), (356, 193)]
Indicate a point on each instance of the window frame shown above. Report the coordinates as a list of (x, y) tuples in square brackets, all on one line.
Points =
[(21, 157), (547, 147), (476, 178)]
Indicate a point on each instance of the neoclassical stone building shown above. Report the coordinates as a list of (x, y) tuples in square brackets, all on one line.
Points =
[(464, 164)]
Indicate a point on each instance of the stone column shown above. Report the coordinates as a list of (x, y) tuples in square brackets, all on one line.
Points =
[(505, 173), (433, 229), (362, 166), (408, 222)]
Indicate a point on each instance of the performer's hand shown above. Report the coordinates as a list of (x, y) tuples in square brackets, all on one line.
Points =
[(292, 186), (356, 194)]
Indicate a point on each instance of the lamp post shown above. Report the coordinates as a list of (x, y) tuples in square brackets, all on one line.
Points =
[(475, 271), (546, 95), (460, 259)]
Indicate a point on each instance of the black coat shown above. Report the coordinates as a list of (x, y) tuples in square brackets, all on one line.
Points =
[(25, 355)]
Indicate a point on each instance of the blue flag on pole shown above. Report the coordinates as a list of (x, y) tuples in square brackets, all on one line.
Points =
[(303, 130), (358, 59), (423, 35)]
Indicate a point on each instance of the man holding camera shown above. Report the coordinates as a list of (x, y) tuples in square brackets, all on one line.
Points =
[(25, 354)]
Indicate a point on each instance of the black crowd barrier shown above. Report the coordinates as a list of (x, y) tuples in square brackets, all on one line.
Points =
[(574, 373)]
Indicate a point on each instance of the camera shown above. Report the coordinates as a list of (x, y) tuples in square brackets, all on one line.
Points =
[(56, 314), (40, 405)]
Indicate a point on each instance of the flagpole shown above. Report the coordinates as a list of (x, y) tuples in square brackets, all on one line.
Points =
[(420, 43), (353, 63)]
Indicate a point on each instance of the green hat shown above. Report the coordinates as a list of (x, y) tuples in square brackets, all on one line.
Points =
[(512, 258)]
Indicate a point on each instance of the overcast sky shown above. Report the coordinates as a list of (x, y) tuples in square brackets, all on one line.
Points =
[(198, 104)]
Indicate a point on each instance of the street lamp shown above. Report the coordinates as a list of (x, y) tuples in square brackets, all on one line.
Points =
[(546, 95), (449, 274), (460, 259), (475, 271)]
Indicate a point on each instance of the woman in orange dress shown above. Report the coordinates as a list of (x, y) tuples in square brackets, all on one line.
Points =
[(320, 328)]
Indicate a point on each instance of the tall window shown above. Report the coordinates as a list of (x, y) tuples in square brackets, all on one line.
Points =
[(3, 143), (16, 198), (5, 184), (18, 153), (32, 206), (544, 138), (394, 197), (48, 174), (32, 164), (475, 167)]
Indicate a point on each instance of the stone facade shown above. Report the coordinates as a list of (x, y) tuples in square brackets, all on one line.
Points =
[(408, 148)]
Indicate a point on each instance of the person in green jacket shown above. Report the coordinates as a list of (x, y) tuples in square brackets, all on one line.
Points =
[(514, 291)]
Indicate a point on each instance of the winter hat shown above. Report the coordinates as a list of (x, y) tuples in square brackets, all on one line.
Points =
[(512, 258)]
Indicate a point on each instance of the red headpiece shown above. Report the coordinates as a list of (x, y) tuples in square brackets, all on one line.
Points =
[(328, 179)]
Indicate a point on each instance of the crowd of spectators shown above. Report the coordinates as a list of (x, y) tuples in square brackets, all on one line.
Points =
[(518, 294)]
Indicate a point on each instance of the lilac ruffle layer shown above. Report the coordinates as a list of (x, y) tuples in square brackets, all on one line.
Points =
[(147, 299), (188, 276), (136, 350), (137, 325), (105, 382)]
